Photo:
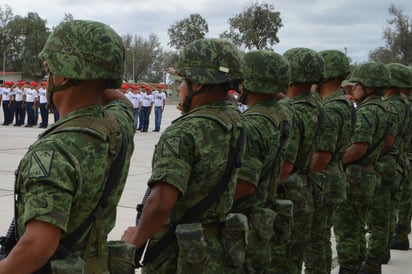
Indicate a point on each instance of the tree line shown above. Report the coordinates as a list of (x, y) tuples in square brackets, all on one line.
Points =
[(256, 27)]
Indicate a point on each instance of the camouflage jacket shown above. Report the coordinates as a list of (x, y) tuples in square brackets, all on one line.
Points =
[(63, 174), (264, 125), (335, 127), (306, 108), (371, 125), (191, 155)]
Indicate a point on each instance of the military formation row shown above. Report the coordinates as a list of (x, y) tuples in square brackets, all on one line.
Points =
[(230, 192)]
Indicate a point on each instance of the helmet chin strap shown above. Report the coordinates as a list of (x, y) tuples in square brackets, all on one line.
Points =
[(188, 100), (51, 89)]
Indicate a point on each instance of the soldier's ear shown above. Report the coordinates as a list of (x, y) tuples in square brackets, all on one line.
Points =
[(196, 87)]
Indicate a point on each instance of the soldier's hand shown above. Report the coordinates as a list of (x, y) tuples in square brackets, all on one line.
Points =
[(129, 235)]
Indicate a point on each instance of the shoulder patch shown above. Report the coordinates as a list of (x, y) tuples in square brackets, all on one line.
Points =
[(171, 147), (40, 163)]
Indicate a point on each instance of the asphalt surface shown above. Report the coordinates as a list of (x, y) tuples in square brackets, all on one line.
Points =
[(14, 142)]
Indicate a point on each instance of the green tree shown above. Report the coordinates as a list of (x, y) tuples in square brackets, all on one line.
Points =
[(27, 38), (142, 55), (256, 27), (184, 32), (6, 15), (398, 39)]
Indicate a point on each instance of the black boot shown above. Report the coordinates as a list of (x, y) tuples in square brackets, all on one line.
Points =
[(369, 267), (386, 257), (400, 239), (345, 270)]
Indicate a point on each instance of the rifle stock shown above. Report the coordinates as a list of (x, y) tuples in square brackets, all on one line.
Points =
[(9, 241)]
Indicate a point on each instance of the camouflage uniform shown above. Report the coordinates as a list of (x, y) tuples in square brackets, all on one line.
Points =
[(403, 199), (191, 155), (306, 67), (370, 127), (329, 186), (62, 176), (381, 219), (266, 129)]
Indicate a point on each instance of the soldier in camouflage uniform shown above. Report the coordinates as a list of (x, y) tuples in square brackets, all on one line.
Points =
[(265, 74), (188, 162), (403, 212), (390, 166), (366, 144), (327, 178), (306, 69), (61, 177)]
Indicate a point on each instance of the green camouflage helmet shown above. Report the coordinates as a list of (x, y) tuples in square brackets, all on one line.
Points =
[(371, 74), (306, 65), (336, 64), (265, 72), (85, 50), (401, 75), (210, 61)]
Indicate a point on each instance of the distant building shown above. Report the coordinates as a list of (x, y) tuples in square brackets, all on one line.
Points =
[(11, 76)]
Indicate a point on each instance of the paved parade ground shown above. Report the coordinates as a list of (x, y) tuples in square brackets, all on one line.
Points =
[(14, 142)]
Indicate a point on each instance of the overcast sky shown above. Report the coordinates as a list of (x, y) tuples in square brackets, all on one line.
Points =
[(352, 25)]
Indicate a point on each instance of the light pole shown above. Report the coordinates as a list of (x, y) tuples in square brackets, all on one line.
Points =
[(4, 66), (132, 49)]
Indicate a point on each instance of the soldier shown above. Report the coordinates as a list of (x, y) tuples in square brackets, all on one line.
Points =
[(159, 105), (327, 178), (395, 163), (265, 74), (6, 102), (306, 69), (359, 160), (19, 109), (60, 181), (400, 239), (44, 112), (390, 167), (192, 157)]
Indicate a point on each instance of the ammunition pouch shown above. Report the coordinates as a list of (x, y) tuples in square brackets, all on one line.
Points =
[(389, 171), (121, 257), (261, 221), (193, 255), (338, 183), (362, 182), (233, 237), (68, 265), (282, 226), (294, 189), (320, 189)]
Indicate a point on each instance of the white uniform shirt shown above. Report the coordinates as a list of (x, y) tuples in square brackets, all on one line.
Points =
[(18, 94), (5, 94), (147, 99), (42, 96), (134, 99), (159, 97), (31, 95)]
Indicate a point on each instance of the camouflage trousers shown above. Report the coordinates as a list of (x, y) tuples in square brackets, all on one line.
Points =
[(298, 190), (351, 216), (318, 253), (379, 223), (171, 261), (404, 207)]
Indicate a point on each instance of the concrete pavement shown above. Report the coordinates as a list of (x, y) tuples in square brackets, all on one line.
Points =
[(14, 142)]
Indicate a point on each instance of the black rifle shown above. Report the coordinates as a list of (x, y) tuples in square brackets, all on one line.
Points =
[(139, 207), (9, 241)]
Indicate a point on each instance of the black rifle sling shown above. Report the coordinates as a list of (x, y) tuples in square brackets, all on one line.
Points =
[(113, 177), (197, 210)]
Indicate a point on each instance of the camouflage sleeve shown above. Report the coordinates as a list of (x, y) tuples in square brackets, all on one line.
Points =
[(51, 185), (329, 126), (364, 126), (172, 159), (394, 120), (251, 168)]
